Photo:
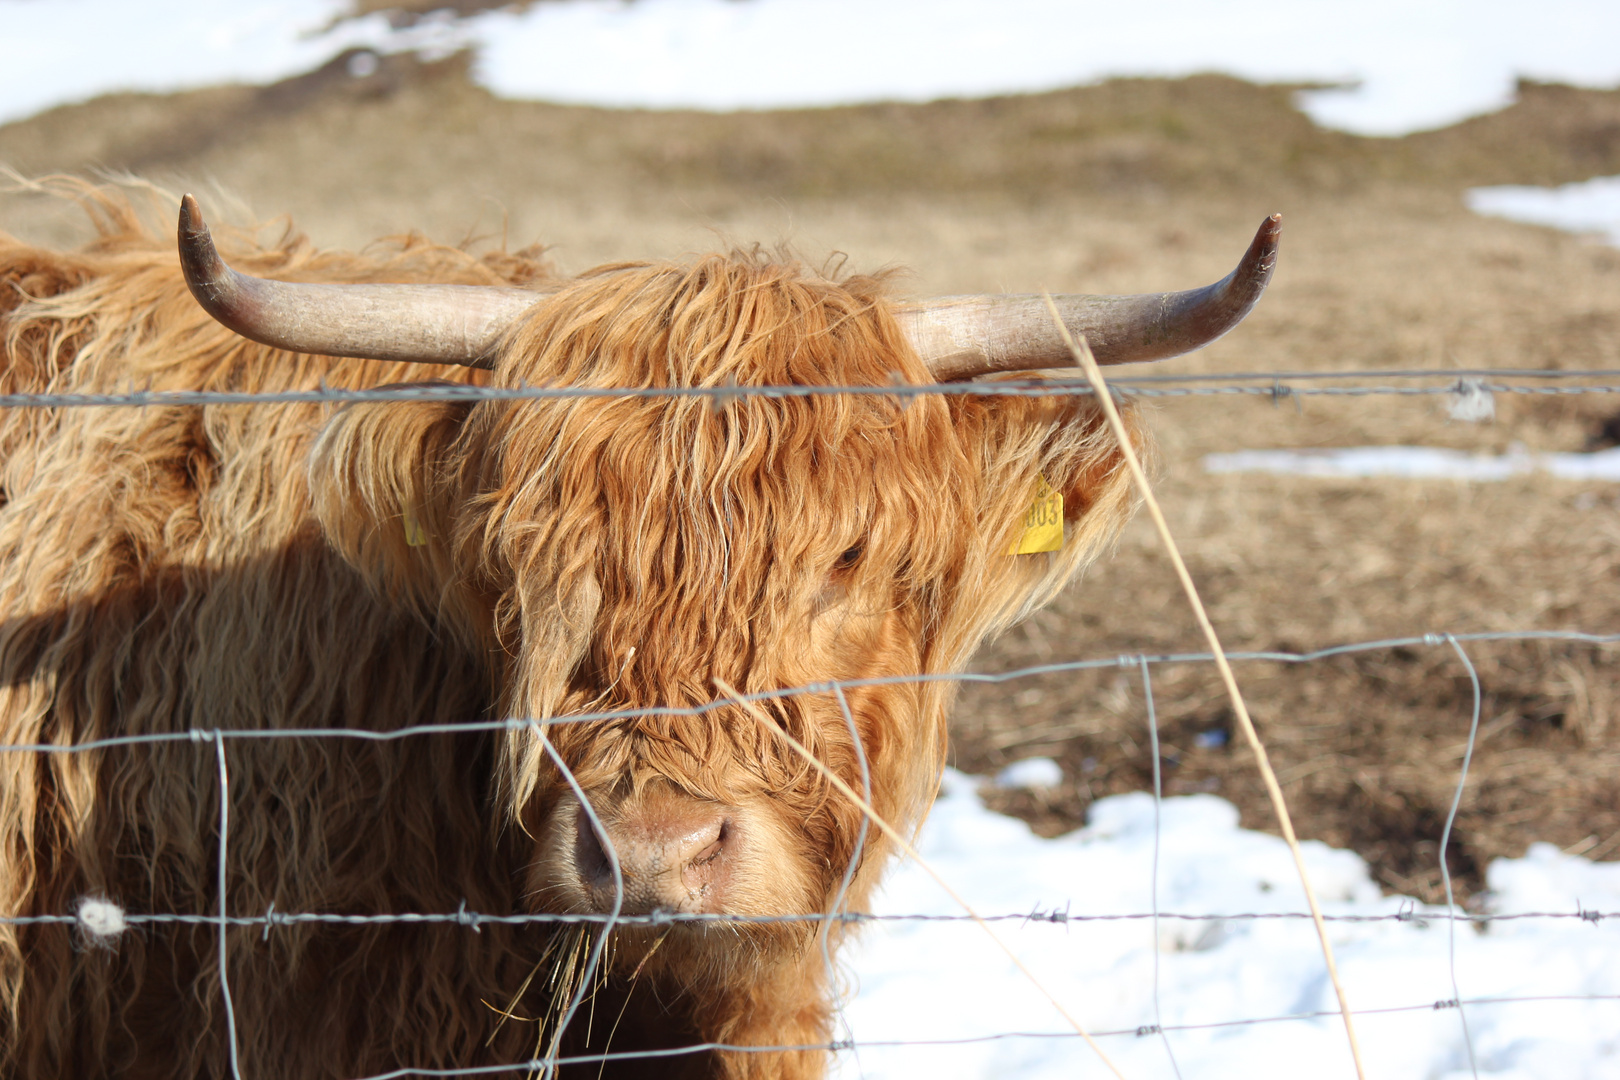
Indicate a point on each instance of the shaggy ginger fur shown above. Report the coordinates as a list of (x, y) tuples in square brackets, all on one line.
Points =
[(166, 569)]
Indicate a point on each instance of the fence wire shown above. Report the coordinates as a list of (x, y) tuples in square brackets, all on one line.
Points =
[(1143, 1031), (1124, 660), (474, 920), (1268, 384), (1275, 385), (1408, 913)]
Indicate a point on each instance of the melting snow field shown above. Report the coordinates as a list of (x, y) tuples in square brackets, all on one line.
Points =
[(947, 981), (1415, 63)]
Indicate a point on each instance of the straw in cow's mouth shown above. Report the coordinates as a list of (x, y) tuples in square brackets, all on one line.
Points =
[(567, 960)]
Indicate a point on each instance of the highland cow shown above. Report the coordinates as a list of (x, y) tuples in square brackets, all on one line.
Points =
[(459, 564)]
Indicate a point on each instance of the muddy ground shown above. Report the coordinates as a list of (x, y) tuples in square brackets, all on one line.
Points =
[(1127, 186)]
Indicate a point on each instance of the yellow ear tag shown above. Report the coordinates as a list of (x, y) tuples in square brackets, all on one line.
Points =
[(1043, 522), (415, 531)]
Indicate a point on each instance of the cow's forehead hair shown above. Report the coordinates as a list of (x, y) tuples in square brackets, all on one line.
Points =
[(742, 316), (775, 474)]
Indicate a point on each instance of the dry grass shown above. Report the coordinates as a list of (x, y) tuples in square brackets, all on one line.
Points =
[(1130, 185), (408, 12)]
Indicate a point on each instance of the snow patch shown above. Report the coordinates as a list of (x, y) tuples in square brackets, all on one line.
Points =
[(1418, 462), (66, 51), (1035, 774), (1589, 207), (947, 981)]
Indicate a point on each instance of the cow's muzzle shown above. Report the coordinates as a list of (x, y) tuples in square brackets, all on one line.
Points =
[(674, 853)]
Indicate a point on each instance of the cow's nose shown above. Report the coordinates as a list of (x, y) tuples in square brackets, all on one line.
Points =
[(674, 855)]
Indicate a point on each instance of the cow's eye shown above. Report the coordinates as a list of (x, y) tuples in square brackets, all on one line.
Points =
[(849, 558)]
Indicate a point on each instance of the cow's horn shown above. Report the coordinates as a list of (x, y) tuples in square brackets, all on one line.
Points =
[(959, 337), (431, 324)]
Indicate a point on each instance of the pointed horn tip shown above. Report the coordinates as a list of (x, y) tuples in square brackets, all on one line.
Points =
[(191, 219), (1269, 231), (197, 252), (207, 276), (1262, 253)]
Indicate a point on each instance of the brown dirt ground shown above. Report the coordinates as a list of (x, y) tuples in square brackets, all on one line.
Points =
[(1130, 185)]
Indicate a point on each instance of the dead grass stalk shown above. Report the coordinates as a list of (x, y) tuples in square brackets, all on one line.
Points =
[(1088, 363)]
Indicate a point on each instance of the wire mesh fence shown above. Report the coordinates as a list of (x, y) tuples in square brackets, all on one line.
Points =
[(104, 919)]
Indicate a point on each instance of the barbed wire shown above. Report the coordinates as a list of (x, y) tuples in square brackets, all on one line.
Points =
[(473, 920), (1275, 385)]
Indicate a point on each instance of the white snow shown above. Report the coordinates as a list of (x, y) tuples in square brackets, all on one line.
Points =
[(1592, 206), (1421, 64), (1418, 462), (947, 981), (57, 51), (1417, 63), (1032, 773)]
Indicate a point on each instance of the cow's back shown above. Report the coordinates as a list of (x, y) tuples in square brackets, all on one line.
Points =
[(161, 573)]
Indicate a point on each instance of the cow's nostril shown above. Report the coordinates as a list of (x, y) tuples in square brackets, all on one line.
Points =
[(590, 857), (707, 871), (713, 849)]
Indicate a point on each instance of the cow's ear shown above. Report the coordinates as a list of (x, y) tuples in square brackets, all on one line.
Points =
[(1023, 451), (1082, 459), (384, 480), (1024, 445)]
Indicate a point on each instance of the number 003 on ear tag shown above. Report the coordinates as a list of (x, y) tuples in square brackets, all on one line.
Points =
[(1043, 522)]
